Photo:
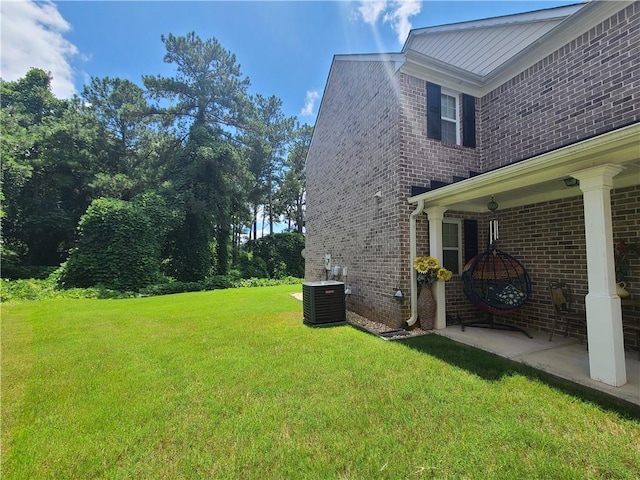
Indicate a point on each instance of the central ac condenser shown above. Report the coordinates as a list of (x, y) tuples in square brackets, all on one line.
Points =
[(324, 303)]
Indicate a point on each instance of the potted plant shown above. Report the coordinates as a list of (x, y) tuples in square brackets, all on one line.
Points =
[(429, 271)]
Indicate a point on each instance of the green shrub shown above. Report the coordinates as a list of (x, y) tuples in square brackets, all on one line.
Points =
[(267, 282), (117, 248), (250, 266), (36, 289), (40, 289), (281, 254), (188, 249), (217, 282), (15, 272)]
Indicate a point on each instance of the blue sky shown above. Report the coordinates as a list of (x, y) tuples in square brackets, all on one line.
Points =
[(285, 47)]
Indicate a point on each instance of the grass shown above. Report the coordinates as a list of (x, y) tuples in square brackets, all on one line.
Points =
[(231, 384)]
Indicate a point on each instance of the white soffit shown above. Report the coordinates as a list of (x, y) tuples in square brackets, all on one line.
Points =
[(540, 178)]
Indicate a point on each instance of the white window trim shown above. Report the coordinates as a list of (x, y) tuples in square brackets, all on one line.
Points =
[(457, 222), (455, 95)]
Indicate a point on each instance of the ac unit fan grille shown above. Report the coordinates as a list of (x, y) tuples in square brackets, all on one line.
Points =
[(323, 303)]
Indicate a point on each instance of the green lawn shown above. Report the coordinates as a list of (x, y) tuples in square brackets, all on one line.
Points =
[(231, 384)]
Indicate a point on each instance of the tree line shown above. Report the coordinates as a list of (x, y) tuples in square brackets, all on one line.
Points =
[(170, 177)]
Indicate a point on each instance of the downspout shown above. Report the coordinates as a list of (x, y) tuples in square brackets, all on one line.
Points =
[(413, 252)]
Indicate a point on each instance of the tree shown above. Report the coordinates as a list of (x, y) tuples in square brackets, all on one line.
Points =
[(279, 255), (207, 88), (118, 247), (266, 138), (120, 107), (208, 99), (51, 150), (291, 196), (207, 176)]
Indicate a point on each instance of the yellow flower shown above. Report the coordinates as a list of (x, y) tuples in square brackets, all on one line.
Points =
[(444, 274), (429, 271), (425, 264)]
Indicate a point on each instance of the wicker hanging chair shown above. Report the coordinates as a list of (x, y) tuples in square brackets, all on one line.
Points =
[(497, 284)]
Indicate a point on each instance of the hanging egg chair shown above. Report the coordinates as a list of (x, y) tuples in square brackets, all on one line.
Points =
[(495, 282)]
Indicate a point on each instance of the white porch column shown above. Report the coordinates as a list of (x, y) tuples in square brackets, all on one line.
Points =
[(435, 216), (604, 315)]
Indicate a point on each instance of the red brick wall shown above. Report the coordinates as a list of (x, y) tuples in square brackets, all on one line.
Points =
[(549, 240), (588, 87), (354, 154), (371, 136), (422, 160)]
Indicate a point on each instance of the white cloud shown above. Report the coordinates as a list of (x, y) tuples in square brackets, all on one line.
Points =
[(371, 10), (395, 12), (307, 110), (32, 37), (399, 17)]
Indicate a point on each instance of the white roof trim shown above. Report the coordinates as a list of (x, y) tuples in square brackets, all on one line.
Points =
[(517, 18), (586, 17), (619, 146), (397, 58), (434, 70)]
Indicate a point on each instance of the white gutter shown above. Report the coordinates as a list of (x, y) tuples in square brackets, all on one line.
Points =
[(413, 252)]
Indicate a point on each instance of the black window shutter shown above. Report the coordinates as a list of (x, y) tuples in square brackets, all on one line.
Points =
[(468, 120), (434, 129), (470, 239)]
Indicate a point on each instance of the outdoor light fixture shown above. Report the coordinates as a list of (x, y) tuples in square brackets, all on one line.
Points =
[(492, 205), (398, 295), (571, 182)]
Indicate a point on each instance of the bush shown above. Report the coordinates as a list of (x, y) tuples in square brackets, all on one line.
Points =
[(40, 289), (33, 289), (25, 272), (117, 248), (281, 255), (250, 266), (188, 249)]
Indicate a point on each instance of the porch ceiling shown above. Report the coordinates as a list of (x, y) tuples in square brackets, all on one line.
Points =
[(541, 178)]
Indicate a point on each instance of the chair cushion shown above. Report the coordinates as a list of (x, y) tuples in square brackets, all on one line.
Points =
[(510, 295)]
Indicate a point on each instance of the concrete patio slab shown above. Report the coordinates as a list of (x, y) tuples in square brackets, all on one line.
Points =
[(564, 358)]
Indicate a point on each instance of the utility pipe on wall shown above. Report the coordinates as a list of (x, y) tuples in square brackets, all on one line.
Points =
[(413, 253)]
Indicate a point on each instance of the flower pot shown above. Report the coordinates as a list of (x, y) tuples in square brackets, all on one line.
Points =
[(426, 307), (621, 291)]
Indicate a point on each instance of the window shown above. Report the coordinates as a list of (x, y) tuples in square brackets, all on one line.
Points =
[(449, 118), (449, 113), (451, 245)]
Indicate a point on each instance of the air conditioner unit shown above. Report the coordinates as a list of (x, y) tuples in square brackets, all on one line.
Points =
[(324, 303)]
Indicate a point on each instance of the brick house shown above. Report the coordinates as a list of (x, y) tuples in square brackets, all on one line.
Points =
[(410, 147)]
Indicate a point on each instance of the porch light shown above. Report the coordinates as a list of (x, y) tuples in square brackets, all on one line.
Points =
[(571, 182), (398, 295)]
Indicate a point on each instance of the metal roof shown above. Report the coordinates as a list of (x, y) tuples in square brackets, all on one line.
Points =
[(481, 46)]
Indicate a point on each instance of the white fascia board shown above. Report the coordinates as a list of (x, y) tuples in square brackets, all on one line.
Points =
[(397, 58), (433, 70), (555, 164)]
